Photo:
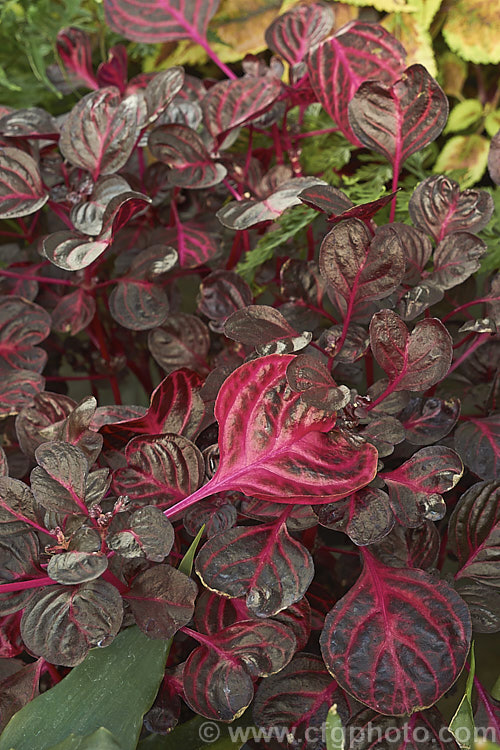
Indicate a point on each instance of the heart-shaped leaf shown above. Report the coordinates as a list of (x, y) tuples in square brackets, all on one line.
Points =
[(21, 189), (400, 118), (101, 130), (478, 442), (274, 447), (297, 699), (182, 341), (61, 623), (438, 207), (359, 267), (162, 601), (415, 487), (398, 639), (23, 325), (160, 470), (182, 149), (357, 52), (412, 361), (160, 20), (295, 32), (73, 312), (264, 563), (218, 676), (231, 103), (147, 534)]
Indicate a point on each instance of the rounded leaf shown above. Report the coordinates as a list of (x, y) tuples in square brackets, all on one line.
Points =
[(70, 568), (21, 189)]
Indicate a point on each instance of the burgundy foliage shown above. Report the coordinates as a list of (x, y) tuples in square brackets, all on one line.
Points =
[(320, 420)]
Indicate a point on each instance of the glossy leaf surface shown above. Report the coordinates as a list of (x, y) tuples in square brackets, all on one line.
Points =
[(231, 103), (21, 189), (160, 20), (478, 442), (412, 361), (183, 340), (295, 32), (182, 149), (147, 534), (264, 563), (398, 640)]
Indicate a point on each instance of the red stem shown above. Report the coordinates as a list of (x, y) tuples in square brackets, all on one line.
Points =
[(35, 583), (40, 279)]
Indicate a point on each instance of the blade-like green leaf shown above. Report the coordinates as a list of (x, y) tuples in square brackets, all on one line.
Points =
[(334, 730), (101, 739), (462, 724)]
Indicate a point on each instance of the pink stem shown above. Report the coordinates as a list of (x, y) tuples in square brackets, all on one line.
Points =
[(481, 338), (36, 583), (40, 279)]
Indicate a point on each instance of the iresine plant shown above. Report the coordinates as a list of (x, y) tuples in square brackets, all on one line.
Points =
[(322, 381)]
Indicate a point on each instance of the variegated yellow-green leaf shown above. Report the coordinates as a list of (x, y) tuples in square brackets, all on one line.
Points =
[(464, 115), (467, 156), (452, 74), (388, 6), (492, 123), (471, 30), (427, 9), (240, 27), (414, 38)]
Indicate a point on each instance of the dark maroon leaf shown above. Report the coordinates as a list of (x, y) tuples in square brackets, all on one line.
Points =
[(18, 689), (176, 406), (160, 470), (398, 639), (162, 601), (75, 430), (365, 516), (359, 267), (218, 677), (160, 20), (263, 563), (474, 531), (417, 251), (74, 567), (325, 198), (17, 510), (73, 312), (62, 623), (72, 251), (415, 301), (438, 207), (397, 120), (161, 90), (300, 517), (478, 442), (293, 455), (415, 487), (148, 534), (138, 305), (101, 130), (221, 293), (295, 32), (182, 149), (19, 554), (21, 188), (88, 215), (427, 420), (494, 159), (33, 123), (182, 341), (410, 548), (18, 389), (113, 72), (246, 213), (61, 481), (23, 325), (164, 714), (384, 433), (423, 730), (73, 47), (194, 244), (358, 52), (216, 514), (412, 361), (456, 258), (231, 103), (298, 699), (355, 345), (311, 378), (266, 329), (483, 602)]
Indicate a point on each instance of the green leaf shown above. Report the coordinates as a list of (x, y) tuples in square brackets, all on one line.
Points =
[(495, 691), (289, 225), (471, 30), (467, 155), (101, 739), (462, 724), (492, 123), (113, 688), (334, 730), (203, 734), (464, 115)]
